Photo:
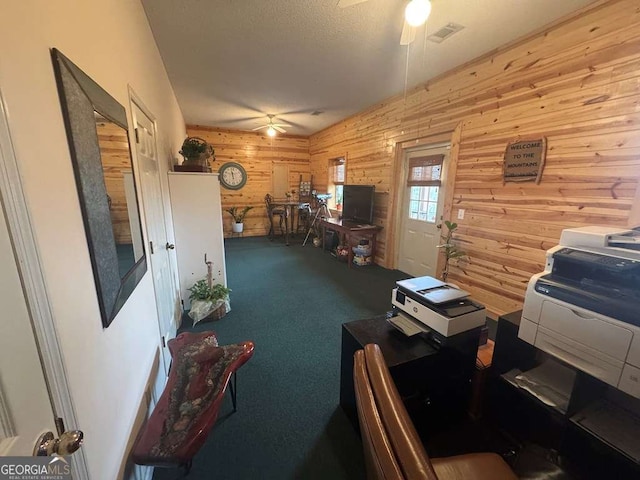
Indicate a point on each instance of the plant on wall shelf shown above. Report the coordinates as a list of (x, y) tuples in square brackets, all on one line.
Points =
[(451, 251), (196, 150)]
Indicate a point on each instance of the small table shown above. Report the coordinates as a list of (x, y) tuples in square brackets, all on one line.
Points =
[(351, 230), (434, 381), (289, 209)]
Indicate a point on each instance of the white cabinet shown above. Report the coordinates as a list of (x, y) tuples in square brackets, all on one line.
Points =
[(197, 223)]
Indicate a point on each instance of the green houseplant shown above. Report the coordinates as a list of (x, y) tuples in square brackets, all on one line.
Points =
[(451, 250), (238, 217), (201, 290), (208, 300), (196, 152)]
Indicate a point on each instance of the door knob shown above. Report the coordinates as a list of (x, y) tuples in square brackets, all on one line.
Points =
[(47, 444), (439, 225), (170, 246)]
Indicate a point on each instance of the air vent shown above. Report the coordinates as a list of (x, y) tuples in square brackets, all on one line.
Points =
[(317, 112), (445, 32)]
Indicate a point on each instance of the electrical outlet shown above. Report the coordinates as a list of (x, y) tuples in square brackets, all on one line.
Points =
[(461, 214)]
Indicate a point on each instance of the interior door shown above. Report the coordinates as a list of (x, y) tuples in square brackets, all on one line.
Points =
[(167, 295), (25, 407), (280, 180), (421, 222)]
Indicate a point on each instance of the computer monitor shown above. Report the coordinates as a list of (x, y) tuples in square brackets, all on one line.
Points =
[(357, 203)]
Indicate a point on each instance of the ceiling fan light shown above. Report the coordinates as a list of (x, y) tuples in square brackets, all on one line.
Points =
[(271, 131), (417, 12)]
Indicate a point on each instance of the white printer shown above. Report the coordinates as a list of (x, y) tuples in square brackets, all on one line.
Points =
[(585, 307), (438, 305)]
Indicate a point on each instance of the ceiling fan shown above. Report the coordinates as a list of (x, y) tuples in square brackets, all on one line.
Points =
[(273, 127), (416, 13)]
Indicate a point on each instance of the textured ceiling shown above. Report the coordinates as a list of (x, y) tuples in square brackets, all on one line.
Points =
[(231, 62)]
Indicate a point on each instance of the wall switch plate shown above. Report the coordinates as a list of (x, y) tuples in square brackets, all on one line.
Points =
[(461, 214)]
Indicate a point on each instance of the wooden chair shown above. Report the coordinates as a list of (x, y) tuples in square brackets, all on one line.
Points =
[(274, 211), (392, 447)]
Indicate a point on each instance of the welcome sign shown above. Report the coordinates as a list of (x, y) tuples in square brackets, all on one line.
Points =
[(524, 160)]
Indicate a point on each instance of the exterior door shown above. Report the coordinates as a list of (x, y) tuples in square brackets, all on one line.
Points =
[(421, 222), (167, 295), (25, 407)]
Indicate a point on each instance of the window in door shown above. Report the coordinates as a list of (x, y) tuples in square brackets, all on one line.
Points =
[(424, 183), (337, 175)]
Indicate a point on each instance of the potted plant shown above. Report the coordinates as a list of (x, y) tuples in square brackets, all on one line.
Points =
[(238, 217), (196, 153), (451, 251), (208, 300)]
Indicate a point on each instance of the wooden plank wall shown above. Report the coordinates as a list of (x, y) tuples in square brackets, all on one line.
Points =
[(577, 83), (114, 151), (257, 153)]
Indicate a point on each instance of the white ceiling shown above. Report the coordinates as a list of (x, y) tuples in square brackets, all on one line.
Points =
[(231, 62)]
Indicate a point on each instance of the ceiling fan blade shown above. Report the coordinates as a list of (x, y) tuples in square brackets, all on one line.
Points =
[(259, 128), (281, 125), (281, 130), (408, 34), (348, 3)]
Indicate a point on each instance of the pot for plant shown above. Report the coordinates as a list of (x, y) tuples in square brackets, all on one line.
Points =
[(237, 227), (201, 160), (196, 152)]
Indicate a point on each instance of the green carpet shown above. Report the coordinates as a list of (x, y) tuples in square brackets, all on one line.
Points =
[(291, 301)]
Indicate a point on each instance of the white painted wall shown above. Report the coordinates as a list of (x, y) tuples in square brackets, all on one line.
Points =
[(112, 42)]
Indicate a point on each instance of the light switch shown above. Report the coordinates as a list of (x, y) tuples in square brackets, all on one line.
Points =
[(461, 214)]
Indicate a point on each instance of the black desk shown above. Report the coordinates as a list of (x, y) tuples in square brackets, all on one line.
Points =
[(526, 418), (433, 382)]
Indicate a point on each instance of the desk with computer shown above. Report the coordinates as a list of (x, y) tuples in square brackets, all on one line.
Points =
[(354, 227), (565, 372)]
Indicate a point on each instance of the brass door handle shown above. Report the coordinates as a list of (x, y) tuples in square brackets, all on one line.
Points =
[(47, 444), (170, 246)]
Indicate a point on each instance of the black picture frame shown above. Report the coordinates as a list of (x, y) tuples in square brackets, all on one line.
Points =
[(80, 98)]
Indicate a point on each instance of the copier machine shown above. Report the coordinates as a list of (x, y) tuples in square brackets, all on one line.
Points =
[(585, 307), (436, 305)]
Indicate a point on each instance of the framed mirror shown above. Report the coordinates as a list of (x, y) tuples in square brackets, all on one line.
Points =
[(97, 132)]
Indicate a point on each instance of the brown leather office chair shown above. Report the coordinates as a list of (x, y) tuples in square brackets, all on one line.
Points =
[(392, 447), (272, 211), (379, 457)]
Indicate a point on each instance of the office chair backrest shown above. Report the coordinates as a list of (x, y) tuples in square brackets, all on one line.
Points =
[(406, 445), (379, 457)]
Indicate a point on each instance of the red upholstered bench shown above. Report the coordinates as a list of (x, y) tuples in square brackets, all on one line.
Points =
[(189, 405)]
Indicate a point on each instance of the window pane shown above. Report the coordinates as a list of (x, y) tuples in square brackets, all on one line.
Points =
[(423, 203), (337, 174), (433, 194), (338, 196), (431, 212), (413, 209)]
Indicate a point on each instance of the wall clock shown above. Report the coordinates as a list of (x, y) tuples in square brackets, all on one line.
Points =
[(232, 176)]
